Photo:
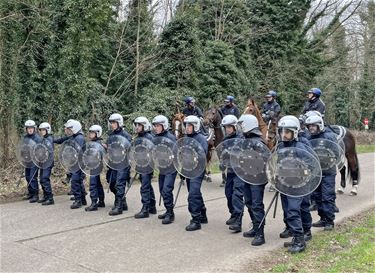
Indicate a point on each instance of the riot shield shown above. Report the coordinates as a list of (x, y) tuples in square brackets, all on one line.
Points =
[(69, 155), (294, 172), (141, 155), (91, 158), (162, 155), (330, 153), (24, 152), (42, 154), (250, 160), (224, 151), (117, 155), (189, 157)]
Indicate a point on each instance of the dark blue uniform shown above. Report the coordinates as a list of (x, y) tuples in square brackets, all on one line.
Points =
[(117, 179), (77, 185), (96, 187), (325, 194), (195, 200), (166, 182), (192, 111), (31, 174), (254, 194), (45, 174), (270, 111), (314, 105), (230, 110), (147, 191), (297, 216), (234, 188)]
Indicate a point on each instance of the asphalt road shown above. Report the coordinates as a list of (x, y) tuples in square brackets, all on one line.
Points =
[(58, 239)]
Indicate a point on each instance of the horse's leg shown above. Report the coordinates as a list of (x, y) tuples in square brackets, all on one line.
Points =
[(353, 165), (342, 186), (207, 175), (224, 178)]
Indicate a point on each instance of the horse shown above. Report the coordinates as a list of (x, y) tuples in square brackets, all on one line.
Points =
[(212, 119), (351, 170), (178, 127)]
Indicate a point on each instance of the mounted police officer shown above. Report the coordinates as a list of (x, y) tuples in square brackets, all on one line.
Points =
[(191, 109), (230, 108), (297, 217), (234, 185), (196, 205), (74, 130), (166, 182), (45, 174), (96, 187), (271, 109), (142, 127), (253, 194), (326, 190), (117, 179), (31, 173), (314, 103)]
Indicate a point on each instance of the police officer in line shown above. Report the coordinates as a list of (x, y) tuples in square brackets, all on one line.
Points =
[(31, 174), (234, 185), (45, 132), (142, 127), (326, 190), (297, 215), (230, 108), (117, 179), (314, 103), (253, 194), (166, 182), (271, 109), (96, 187)]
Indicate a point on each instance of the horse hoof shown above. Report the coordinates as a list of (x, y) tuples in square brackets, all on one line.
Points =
[(340, 190), (209, 179), (222, 184), (354, 190)]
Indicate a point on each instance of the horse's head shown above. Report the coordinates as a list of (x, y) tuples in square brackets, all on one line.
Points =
[(178, 125), (212, 117)]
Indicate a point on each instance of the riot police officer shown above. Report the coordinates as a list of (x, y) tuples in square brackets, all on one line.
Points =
[(196, 205), (118, 178), (166, 182), (31, 173), (296, 213), (271, 109), (45, 174), (96, 187), (234, 185), (143, 129), (326, 190), (191, 109), (253, 194)]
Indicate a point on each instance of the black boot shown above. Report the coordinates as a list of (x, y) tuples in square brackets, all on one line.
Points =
[(124, 204), (194, 225), (251, 233), (92, 207), (152, 210), (259, 238), (117, 209), (313, 206), (329, 226), (231, 220), (143, 213), (162, 216), (43, 199), (84, 202), (76, 204), (203, 218), (72, 198), (169, 217), (48, 202), (298, 245), (237, 225), (101, 204), (286, 233), (320, 223), (27, 197), (308, 236), (337, 210), (34, 199)]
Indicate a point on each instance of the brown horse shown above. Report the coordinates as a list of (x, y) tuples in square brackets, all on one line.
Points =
[(351, 171), (268, 130), (178, 127), (212, 119)]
